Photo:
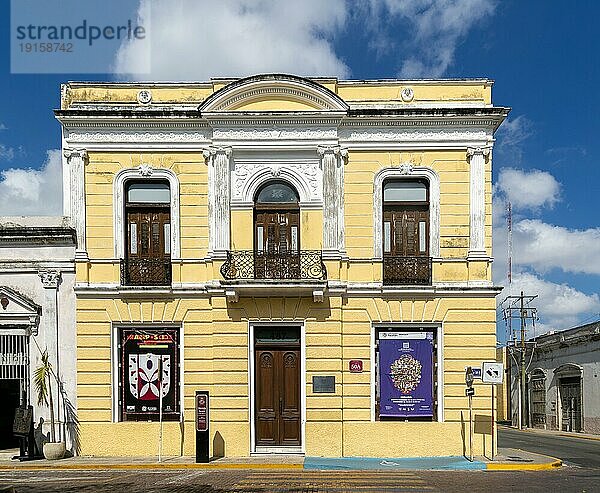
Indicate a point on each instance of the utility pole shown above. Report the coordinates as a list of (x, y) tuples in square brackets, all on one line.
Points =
[(519, 307)]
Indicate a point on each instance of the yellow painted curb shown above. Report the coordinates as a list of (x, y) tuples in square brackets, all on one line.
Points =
[(148, 466), (524, 467)]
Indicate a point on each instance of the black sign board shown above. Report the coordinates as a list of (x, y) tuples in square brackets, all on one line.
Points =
[(23, 420), (149, 366), (470, 391), (324, 385), (202, 426)]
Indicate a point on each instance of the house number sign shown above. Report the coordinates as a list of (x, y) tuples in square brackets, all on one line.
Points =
[(356, 366)]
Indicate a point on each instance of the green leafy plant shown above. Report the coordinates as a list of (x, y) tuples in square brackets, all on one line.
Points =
[(42, 381)]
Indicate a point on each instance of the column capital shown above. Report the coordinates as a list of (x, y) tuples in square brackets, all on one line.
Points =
[(335, 150), (75, 153), (50, 278), (214, 150), (482, 151)]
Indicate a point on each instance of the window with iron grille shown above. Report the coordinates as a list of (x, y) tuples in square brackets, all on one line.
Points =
[(406, 257), (148, 234)]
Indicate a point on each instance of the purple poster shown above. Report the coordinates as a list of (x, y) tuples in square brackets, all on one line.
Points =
[(405, 374)]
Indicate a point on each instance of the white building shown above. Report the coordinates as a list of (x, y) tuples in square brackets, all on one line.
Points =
[(563, 381), (37, 312)]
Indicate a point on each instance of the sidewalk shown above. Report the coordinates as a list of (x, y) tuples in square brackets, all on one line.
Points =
[(570, 434), (507, 459)]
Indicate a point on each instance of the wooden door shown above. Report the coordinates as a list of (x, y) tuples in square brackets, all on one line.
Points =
[(148, 233), (277, 388), (148, 245), (277, 244), (406, 232), (570, 400)]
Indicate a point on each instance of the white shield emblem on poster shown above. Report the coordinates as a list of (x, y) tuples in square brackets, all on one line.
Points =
[(144, 378)]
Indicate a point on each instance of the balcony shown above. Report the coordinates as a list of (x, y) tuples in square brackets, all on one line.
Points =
[(305, 265), (406, 271), (146, 272)]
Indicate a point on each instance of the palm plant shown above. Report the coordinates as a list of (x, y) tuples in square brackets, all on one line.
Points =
[(42, 380)]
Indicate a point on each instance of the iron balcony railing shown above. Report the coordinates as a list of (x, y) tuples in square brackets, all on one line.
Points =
[(146, 272), (413, 271), (250, 264)]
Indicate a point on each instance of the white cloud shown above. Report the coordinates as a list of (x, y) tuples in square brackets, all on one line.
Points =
[(560, 306), (6, 153), (26, 191), (544, 246), (193, 40), (528, 189), (436, 27), (510, 137)]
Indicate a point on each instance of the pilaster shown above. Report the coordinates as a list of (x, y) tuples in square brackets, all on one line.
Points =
[(76, 170), (333, 159), (217, 159), (477, 156)]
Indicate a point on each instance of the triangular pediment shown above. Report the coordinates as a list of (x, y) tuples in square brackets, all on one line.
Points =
[(274, 93), (17, 310)]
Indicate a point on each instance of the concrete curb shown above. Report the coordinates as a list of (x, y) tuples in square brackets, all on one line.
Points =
[(503, 466), (456, 463)]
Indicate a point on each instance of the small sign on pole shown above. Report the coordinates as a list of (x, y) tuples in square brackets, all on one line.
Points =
[(492, 372)]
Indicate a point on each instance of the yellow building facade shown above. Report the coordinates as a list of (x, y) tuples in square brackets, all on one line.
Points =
[(277, 241)]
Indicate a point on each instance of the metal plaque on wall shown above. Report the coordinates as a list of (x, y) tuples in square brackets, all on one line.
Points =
[(324, 384)]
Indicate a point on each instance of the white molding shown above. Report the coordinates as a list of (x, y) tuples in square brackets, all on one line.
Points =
[(404, 171), (251, 372), (260, 87), (248, 175), (119, 205), (382, 133), (282, 135)]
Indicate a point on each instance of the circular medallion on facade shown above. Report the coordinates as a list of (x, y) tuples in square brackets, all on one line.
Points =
[(144, 96), (407, 94)]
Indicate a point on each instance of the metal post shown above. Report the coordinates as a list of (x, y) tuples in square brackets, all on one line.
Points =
[(160, 407), (492, 421), (471, 428), (522, 389)]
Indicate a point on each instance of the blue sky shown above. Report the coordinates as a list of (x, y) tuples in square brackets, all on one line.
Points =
[(542, 55)]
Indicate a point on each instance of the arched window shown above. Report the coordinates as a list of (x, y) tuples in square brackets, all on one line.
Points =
[(277, 219), (148, 233), (276, 232), (406, 232)]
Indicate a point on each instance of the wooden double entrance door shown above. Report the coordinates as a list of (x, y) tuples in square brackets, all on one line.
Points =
[(277, 389)]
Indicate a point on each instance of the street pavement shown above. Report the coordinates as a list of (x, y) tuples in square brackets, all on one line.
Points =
[(295, 481), (580, 474), (574, 451)]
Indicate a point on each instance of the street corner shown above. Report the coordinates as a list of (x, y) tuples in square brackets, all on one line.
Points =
[(521, 460)]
